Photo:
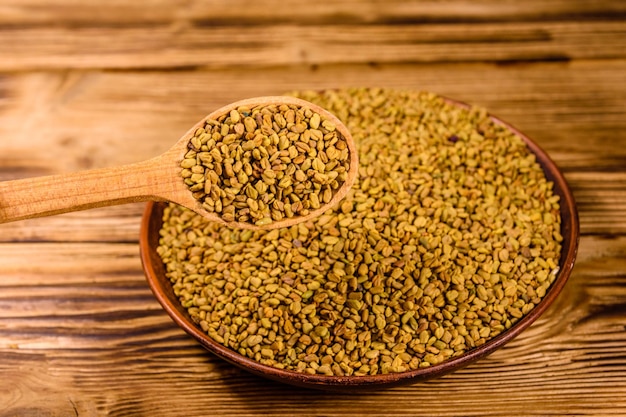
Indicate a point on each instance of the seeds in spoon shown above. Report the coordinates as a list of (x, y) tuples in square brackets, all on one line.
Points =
[(262, 164)]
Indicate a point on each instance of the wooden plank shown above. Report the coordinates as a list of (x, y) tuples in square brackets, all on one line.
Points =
[(175, 46), (95, 119), (601, 201), (221, 12), (117, 224), (91, 331)]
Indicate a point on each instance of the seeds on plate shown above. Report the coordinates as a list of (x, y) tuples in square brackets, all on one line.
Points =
[(450, 235)]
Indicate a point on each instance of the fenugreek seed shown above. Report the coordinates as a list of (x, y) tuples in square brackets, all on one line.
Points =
[(254, 340), (264, 221), (327, 196), (285, 182), (316, 135), (328, 125), (314, 201), (188, 163), (321, 331), (250, 124), (281, 142), (295, 307), (273, 301), (234, 116), (315, 121)]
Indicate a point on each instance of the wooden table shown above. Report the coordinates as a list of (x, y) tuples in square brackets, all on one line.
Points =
[(95, 84)]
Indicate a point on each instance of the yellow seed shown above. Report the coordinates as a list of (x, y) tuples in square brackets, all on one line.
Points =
[(314, 200), (315, 121)]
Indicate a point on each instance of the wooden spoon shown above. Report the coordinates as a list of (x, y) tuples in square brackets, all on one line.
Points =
[(157, 179)]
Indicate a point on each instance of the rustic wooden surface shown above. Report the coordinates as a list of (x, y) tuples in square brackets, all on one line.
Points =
[(96, 84)]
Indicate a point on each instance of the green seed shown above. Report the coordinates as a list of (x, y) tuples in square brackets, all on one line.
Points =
[(264, 221)]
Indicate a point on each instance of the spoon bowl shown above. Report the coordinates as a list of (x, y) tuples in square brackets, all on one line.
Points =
[(157, 179)]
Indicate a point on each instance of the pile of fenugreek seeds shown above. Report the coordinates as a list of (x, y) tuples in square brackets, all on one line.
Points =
[(266, 163), (449, 236)]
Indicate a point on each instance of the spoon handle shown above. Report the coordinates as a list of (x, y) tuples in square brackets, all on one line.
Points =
[(56, 194)]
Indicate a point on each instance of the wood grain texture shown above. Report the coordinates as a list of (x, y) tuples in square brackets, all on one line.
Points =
[(189, 46), (230, 12), (574, 110), (87, 84)]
